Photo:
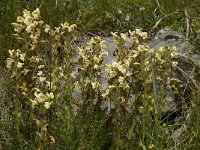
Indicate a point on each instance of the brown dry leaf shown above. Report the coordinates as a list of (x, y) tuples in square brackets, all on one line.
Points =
[(32, 46)]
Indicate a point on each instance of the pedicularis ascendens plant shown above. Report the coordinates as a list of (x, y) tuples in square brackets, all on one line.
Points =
[(37, 71), (41, 70), (135, 79), (91, 58)]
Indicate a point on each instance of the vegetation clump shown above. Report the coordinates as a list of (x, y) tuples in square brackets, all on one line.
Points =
[(46, 68)]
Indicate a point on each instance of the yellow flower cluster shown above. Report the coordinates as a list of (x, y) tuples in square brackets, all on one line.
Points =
[(38, 77), (91, 59), (41, 98), (29, 21), (31, 24), (16, 58), (29, 27), (120, 71), (136, 67)]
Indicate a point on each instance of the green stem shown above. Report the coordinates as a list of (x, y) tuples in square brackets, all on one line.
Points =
[(155, 103)]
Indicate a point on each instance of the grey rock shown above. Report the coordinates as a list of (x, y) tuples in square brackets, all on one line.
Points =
[(168, 38)]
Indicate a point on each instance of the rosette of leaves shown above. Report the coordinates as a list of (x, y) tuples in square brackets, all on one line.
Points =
[(37, 71), (91, 58)]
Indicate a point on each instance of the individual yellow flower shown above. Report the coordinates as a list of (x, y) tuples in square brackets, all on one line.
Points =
[(96, 59), (42, 79), (18, 51), (135, 39), (41, 66), (40, 97), (141, 109), (122, 68), (95, 85), (174, 54), (128, 73), (115, 64), (77, 85), (121, 80), (33, 103), (24, 94), (11, 52), (103, 55), (142, 48), (174, 48), (161, 50), (124, 36), (34, 38), (20, 65), (18, 27), (28, 29), (65, 25), (151, 146), (113, 74), (126, 87), (15, 24), (20, 19), (158, 55), (141, 145), (51, 95), (96, 66), (47, 104), (136, 63), (26, 13), (25, 71), (9, 62), (39, 73), (28, 20), (107, 68), (151, 51), (143, 35), (91, 42), (135, 55), (111, 87), (57, 30), (46, 28), (22, 56), (139, 32), (104, 95), (72, 75), (71, 28), (102, 43), (114, 34), (36, 13)]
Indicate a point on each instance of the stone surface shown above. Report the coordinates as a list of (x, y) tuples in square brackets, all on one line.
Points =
[(168, 38)]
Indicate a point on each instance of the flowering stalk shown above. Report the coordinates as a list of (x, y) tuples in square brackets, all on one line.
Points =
[(91, 58)]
